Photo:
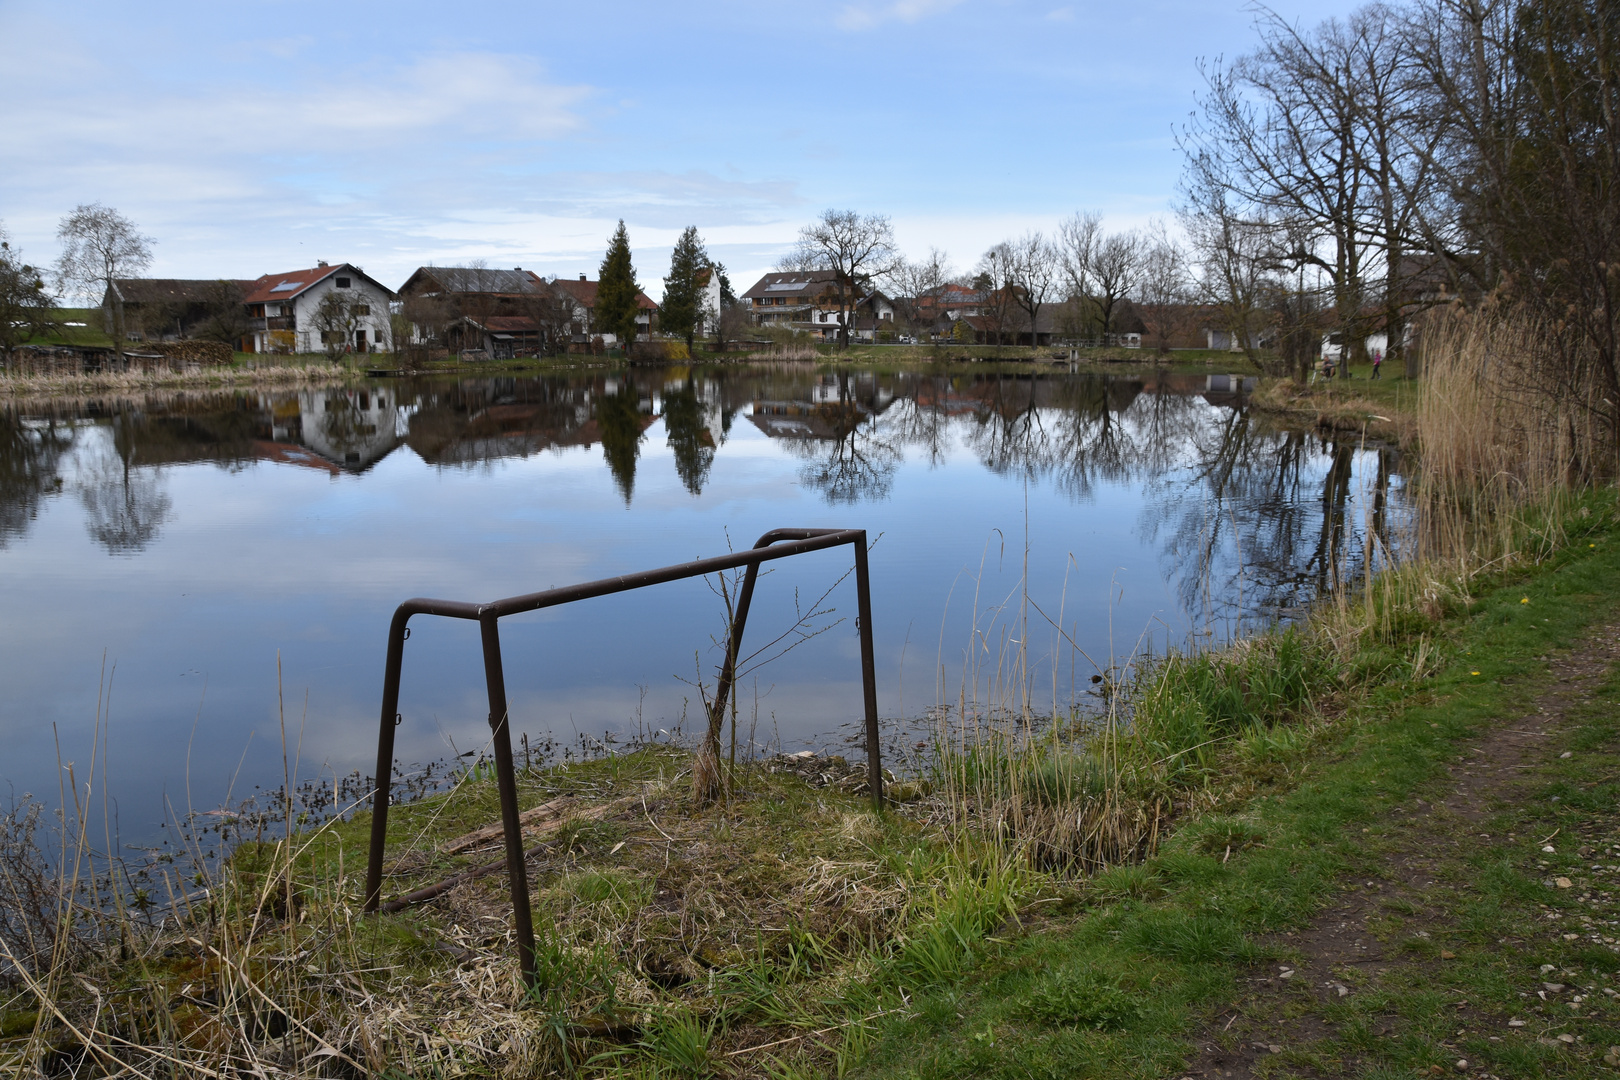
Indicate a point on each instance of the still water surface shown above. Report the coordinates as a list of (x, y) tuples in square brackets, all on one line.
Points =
[(190, 542)]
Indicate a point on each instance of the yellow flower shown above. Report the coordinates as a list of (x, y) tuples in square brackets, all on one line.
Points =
[(1526, 600), (1473, 673)]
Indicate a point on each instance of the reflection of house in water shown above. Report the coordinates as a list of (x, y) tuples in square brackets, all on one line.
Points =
[(835, 405), (1228, 391), (350, 430), (472, 424)]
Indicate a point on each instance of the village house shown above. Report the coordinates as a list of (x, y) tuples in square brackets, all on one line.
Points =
[(581, 295), (808, 301), (285, 312), (502, 313)]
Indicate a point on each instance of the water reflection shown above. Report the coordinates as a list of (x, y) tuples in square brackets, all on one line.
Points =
[(1248, 519)]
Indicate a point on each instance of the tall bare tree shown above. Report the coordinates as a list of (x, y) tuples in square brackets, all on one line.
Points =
[(857, 248), (1163, 287), (1099, 268), (993, 281), (917, 288), (1232, 249), (98, 245), (1036, 276)]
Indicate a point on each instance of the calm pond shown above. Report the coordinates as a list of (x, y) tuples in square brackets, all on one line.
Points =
[(166, 554)]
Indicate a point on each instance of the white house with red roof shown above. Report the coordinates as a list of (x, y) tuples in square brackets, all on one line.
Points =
[(284, 311)]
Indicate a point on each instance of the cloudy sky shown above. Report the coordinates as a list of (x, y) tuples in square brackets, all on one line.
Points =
[(250, 138)]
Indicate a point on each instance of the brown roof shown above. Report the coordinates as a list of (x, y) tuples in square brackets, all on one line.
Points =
[(172, 290), (474, 279), (510, 324), (584, 292)]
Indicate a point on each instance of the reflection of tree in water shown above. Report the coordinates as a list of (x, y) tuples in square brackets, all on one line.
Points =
[(30, 460), (850, 456), (1078, 430), (124, 506), (1261, 523), (690, 440), (619, 417), (345, 425)]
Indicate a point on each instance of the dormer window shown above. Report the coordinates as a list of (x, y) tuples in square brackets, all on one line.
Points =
[(343, 283)]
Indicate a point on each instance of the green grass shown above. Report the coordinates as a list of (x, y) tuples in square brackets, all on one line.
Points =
[(1175, 934)]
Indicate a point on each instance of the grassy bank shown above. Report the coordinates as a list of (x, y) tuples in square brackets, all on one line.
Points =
[(1383, 408), (1158, 953)]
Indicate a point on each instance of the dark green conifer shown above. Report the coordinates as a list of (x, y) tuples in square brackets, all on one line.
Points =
[(684, 288), (616, 290)]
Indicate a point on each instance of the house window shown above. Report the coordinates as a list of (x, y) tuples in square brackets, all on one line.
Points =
[(343, 283), (362, 309)]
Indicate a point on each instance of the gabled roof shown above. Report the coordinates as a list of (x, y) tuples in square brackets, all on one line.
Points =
[(474, 279), (804, 286), (172, 290), (275, 287), (584, 292)]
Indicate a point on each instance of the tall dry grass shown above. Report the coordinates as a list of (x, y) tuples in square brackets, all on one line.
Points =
[(1509, 427)]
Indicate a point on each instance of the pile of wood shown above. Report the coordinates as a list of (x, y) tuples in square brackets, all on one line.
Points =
[(52, 360), (188, 352)]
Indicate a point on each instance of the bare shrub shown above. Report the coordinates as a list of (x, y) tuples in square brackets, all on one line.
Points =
[(32, 904)]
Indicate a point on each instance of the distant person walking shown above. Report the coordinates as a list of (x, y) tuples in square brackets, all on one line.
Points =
[(1378, 360)]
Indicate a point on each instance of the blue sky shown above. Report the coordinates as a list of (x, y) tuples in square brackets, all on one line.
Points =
[(250, 138)]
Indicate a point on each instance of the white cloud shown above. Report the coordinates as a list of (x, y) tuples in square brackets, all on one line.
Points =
[(865, 17)]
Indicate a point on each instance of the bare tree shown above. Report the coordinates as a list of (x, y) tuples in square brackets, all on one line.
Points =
[(1099, 268), (336, 318), (1309, 128), (225, 317), (1036, 274), (1163, 287), (993, 280), (917, 287), (1077, 241), (1231, 249), (1116, 268), (98, 245), (856, 247)]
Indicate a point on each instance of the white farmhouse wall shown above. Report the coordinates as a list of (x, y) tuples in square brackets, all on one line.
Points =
[(376, 325)]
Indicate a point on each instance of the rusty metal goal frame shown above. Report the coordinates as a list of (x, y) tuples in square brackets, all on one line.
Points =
[(776, 544)]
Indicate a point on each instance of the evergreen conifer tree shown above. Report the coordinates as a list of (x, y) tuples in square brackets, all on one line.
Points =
[(688, 279), (616, 289)]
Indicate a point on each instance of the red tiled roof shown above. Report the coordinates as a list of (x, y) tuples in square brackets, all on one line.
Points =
[(265, 288)]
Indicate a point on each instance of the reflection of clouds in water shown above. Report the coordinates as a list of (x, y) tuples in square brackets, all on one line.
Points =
[(124, 507)]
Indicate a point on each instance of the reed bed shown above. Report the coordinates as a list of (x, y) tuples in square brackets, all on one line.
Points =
[(137, 382)]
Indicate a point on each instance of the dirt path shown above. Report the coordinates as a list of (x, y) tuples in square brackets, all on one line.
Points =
[(1387, 930)]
